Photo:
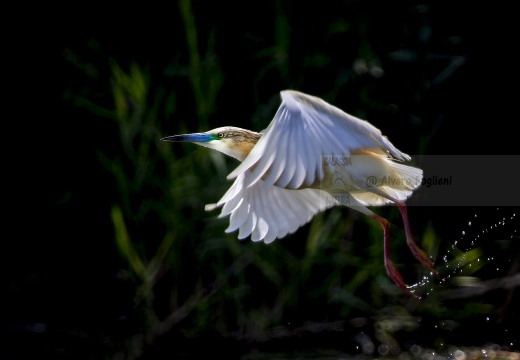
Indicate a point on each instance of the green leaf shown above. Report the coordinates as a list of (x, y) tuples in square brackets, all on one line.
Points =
[(124, 243)]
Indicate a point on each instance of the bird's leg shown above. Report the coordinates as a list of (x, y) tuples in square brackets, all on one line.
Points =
[(391, 270), (417, 252)]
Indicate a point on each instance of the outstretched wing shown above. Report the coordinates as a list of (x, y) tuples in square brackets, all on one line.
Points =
[(267, 212), (304, 129)]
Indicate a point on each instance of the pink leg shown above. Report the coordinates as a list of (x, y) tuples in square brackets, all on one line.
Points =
[(391, 270), (416, 250)]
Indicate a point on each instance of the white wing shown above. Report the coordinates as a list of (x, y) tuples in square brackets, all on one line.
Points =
[(267, 212), (304, 129)]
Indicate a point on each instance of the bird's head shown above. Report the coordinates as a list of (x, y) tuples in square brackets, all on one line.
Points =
[(232, 141)]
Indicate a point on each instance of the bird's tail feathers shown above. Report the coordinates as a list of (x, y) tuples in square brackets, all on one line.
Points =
[(399, 184)]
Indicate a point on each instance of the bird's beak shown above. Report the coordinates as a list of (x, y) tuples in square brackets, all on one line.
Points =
[(197, 137)]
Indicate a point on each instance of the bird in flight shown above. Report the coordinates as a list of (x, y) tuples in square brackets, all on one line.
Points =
[(311, 157)]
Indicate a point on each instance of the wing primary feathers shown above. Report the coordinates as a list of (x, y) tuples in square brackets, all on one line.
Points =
[(269, 197)]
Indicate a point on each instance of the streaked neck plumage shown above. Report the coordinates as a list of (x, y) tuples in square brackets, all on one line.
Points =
[(236, 142)]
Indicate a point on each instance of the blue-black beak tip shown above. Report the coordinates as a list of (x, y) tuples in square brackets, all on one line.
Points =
[(197, 137), (175, 138)]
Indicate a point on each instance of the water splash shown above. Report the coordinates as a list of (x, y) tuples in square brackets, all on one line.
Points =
[(478, 247), (478, 230)]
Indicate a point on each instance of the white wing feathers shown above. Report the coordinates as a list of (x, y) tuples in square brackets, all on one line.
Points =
[(267, 212), (270, 197), (304, 129)]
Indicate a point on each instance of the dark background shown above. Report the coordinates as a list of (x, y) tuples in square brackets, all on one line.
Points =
[(107, 251)]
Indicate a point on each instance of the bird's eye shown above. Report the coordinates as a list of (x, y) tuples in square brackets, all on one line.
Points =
[(221, 135)]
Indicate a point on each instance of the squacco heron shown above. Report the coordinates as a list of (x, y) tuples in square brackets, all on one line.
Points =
[(312, 156)]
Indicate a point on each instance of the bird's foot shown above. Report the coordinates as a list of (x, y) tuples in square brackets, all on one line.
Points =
[(423, 258), (397, 278)]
